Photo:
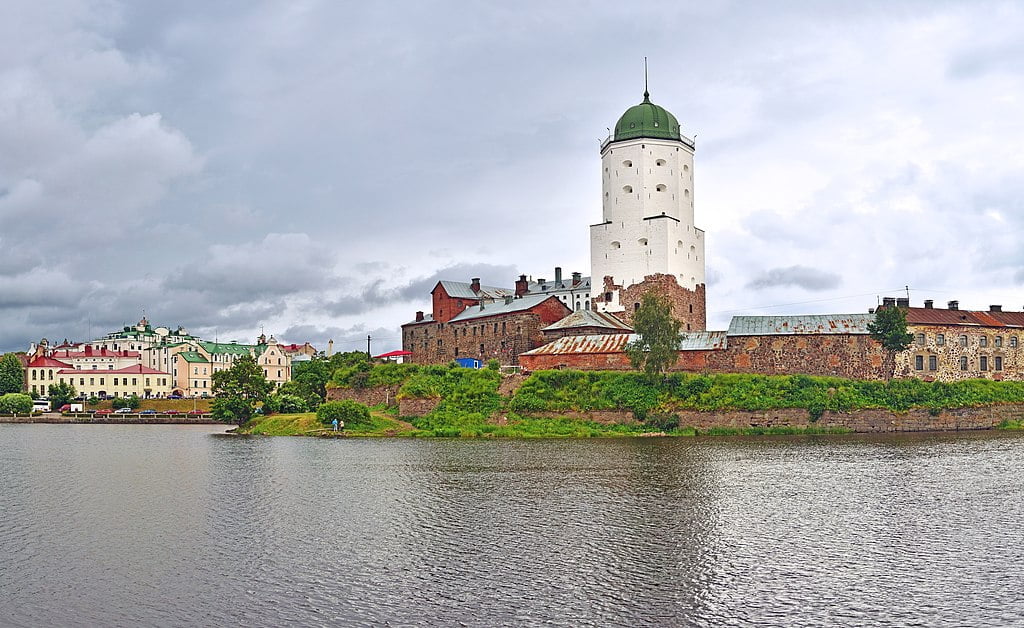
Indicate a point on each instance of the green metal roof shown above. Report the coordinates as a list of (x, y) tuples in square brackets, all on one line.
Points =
[(226, 347), (647, 120), (193, 356)]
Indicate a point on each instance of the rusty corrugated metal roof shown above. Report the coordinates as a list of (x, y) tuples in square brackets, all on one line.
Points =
[(800, 324), (590, 318), (616, 343), (937, 316)]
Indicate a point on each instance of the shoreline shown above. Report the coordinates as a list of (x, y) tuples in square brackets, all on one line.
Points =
[(109, 420)]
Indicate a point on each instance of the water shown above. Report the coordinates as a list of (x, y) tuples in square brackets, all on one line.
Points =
[(168, 525)]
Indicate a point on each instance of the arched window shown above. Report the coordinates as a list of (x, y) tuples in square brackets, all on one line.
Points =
[(963, 340), (642, 241), (686, 193), (627, 189), (963, 363), (659, 162), (627, 163), (686, 168), (616, 245), (636, 307), (660, 187)]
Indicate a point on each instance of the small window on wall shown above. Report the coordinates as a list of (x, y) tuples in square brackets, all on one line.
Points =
[(983, 363), (660, 187), (686, 193), (940, 340), (685, 168), (636, 307), (627, 163), (999, 363), (983, 341), (998, 341), (607, 297), (659, 162), (963, 363), (642, 241), (616, 245), (933, 363), (627, 189), (963, 340), (919, 362), (919, 338)]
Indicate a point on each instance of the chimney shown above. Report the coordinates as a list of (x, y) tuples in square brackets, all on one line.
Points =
[(929, 304), (576, 279), (475, 285), (88, 350), (522, 286), (903, 302), (419, 316), (508, 299), (995, 308), (558, 276), (888, 302), (953, 305)]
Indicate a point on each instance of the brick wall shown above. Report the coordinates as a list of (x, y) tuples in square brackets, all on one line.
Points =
[(855, 357), (688, 306), (365, 396)]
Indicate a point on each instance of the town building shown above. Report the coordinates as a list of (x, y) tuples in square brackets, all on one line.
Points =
[(90, 358), (137, 380), (41, 372)]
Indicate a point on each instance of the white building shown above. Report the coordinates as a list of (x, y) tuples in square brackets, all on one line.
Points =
[(647, 225)]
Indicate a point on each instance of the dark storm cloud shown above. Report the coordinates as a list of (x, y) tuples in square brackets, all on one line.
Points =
[(383, 339), (795, 276)]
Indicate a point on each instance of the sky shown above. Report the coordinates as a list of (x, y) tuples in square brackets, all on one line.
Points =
[(312, 168)]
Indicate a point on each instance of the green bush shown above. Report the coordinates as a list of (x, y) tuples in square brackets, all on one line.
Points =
[(93, 401), (15, 403), (352, 413)]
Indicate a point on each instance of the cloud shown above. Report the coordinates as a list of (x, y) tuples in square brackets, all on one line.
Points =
[(796, 276)]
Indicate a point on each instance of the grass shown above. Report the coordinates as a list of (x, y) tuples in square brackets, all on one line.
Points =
[(306, 424)]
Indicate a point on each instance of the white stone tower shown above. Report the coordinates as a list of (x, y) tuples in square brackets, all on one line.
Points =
[(647, 237)]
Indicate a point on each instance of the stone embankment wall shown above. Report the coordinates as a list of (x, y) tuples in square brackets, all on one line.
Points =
[(416, 407), (111, 420), (918, 420), (365, 396)]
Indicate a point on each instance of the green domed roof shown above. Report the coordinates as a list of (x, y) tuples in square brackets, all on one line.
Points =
[(647, 120)]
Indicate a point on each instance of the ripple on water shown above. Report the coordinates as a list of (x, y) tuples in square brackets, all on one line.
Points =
[(128, 525)]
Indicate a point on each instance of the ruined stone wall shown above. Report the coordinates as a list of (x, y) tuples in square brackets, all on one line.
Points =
[(688, 306), (417, 407)]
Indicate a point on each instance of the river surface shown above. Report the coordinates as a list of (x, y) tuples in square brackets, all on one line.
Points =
[(154, 525)]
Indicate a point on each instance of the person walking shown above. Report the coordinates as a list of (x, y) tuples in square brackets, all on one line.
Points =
[(335, 424)]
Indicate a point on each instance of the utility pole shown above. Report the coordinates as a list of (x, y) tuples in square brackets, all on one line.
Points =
[(367, 346)]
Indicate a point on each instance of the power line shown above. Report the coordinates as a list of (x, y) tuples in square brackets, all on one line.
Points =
[(850, 296)]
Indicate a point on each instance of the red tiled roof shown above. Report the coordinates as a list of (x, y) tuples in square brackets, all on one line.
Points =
[(135, 369), (936, 316), (100, 353), (45, 362)]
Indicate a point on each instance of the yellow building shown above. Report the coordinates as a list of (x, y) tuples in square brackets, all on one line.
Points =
[(138, 380)]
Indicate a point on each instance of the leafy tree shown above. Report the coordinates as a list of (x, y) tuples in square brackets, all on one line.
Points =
[(239, 389), (657, 346), (61, 394), (313, 375), (132, 402), (352, 413), (890, 329), (12, 375), (12, 403)]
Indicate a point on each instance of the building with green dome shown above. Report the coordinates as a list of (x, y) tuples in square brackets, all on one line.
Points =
[(647, 237)]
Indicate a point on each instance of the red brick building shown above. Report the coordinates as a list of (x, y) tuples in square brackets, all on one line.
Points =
[(482, 322)]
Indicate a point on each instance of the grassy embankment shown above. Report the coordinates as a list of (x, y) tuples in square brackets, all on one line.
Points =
[(160, 405), (547, 404)]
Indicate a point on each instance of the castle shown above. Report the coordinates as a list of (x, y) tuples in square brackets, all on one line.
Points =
[(647, 240)]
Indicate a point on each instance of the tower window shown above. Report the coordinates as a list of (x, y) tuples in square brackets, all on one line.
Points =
[(660, 187), (660, 162), (686, 193), (685, 168), (627, 189), (616, 245), (642, 241), (627, 163)]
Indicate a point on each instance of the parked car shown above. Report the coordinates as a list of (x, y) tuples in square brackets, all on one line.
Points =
[(105, 411), (149, 411), (196, 412), (123, 411), (174, 396), (171, 412)]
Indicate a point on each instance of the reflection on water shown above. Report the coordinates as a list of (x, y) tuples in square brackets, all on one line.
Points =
[(128, 525)]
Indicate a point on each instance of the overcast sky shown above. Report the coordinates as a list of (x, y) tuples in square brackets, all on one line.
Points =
[(312, 168)]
